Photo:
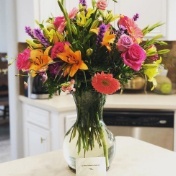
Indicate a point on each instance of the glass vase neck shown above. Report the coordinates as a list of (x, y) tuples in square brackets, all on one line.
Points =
[(89, 104)]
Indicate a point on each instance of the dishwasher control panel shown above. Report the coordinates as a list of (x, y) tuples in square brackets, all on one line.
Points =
[(148, 118)]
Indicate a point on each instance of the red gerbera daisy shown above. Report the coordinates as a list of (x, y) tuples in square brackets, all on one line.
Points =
[(105, 83)]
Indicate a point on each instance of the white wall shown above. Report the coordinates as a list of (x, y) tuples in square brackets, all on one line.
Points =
[(13, 81), (25, 17), (3, 21)]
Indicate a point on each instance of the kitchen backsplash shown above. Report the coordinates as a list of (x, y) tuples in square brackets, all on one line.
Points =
[(169, 61)]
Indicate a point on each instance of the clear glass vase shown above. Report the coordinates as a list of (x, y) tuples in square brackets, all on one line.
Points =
[(89, 136)]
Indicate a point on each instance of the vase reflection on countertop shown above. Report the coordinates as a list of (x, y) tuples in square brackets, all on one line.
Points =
[(36, 88)]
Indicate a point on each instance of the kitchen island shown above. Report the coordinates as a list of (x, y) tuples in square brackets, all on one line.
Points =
[(133, 158)]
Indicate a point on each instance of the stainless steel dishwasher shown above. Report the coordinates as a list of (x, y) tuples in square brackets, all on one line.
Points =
[(153, 126)]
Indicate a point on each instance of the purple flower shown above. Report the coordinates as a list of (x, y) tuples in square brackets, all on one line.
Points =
[(29, 31), (54, 68), (83, 2), (43, 76), (122, 29), (38, 34), (101, 32), (124, 42), (135, 17)]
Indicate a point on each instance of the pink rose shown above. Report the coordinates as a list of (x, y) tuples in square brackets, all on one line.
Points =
[(124, 42), (102, 4), (134, 57), (23, 62)]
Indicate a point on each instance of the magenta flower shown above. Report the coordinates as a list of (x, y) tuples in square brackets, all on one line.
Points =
[(134, 57), (124, 42), (60, 21), (23, 62), (102, 4), (57, 48)]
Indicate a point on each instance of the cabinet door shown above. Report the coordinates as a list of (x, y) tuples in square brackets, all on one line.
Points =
[(69, 121), (37, 140), (43, 9), (150, 12)]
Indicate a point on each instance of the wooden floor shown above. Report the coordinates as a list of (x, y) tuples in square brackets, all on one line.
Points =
[(4, 140)]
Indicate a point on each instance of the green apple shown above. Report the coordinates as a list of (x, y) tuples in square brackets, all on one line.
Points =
[(164, 85), (166, 88)]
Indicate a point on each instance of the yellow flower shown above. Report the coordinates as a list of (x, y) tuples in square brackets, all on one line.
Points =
[(73, 59), (152, 50), (39, 61), (109, 17), (108, 39), (151, 70), (53, 35), (83, 17)]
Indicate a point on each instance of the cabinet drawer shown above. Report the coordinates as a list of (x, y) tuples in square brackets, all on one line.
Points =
[(38, 116), (37, 140)]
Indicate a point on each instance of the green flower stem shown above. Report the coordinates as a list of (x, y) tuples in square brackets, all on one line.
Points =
[(66, 18), (105, 147)]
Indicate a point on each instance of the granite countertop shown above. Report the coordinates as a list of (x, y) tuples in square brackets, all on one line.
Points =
[(133, 158), (127, 101)]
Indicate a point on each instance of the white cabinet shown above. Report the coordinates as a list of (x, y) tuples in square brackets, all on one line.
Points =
[(37, 133), (151, 12), (43, 9), (30, 10), (38, 140), (44, 130)]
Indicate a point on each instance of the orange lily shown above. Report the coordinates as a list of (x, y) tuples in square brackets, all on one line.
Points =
[(39, 61), (107, 39), (73, 59)]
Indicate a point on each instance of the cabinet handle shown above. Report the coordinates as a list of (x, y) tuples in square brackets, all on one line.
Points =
[(42, 140)]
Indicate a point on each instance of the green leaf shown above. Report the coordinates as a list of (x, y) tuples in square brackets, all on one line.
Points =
[(164, 51), (148, 29)]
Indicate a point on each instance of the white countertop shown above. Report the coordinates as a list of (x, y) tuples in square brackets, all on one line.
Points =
[(133, 158), (134, 101)]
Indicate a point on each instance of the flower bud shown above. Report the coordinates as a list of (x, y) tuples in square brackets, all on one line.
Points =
[(89, 51), (95, 24)]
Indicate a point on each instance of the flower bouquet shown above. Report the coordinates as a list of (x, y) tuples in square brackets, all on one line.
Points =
[(83, 53)]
